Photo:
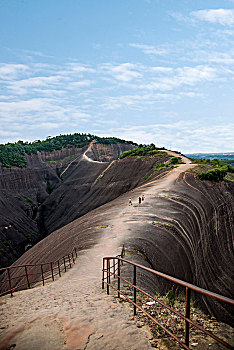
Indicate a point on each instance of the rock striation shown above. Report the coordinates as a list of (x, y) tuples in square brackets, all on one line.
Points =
[(183, 228), (29, 196)]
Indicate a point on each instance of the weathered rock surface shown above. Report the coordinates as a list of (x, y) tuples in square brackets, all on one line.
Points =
[(36, 200), (183, 228), (73, 312), (187, 232)]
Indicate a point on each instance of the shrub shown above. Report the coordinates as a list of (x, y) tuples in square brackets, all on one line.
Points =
[(175, 160), (140, 151), (216, 174)]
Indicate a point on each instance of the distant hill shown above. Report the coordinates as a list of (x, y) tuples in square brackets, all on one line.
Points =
[(14, 154), (227, 157)]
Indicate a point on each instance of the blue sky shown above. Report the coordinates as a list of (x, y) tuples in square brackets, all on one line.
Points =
[(143, 70)]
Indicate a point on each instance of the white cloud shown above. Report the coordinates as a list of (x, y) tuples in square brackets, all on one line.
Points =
[(124, 72), (49, 93), (184, 136), (79, 68), (193, 75), (71, 96), (24, 86), (35, 104), (214, 58), (221, 16), (138, 101), (150, 49), (183, 76), (162, 69), (10, 71), (47, 125), (4, 133), (79, 84), (221, 57)]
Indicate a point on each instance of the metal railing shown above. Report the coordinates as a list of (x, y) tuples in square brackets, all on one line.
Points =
[(112, 267), (15, 278)]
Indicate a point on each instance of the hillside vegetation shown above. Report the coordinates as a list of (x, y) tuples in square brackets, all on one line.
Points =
[(13, 154), (214, 170), (141, 150)]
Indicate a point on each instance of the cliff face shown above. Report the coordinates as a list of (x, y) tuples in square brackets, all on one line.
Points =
[(36, 200), (21, 193), (107, 153), (89, 185), (184, 231), (191, 239)]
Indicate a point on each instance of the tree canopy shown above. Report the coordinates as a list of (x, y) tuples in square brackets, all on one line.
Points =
[(141, 150), (13, 154)]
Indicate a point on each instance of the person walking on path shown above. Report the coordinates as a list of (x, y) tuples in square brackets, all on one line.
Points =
[(143, 198), (139, 200), (130, 201)]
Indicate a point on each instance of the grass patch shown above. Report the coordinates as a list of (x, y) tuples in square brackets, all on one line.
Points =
[(147, 177), (229, 177), (161, 224), (28, 200)]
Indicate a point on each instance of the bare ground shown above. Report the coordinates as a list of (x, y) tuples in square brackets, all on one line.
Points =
[(74, 312)]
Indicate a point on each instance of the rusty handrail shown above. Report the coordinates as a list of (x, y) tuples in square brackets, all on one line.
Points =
[(106, 280), (55, 268), (180, 282)]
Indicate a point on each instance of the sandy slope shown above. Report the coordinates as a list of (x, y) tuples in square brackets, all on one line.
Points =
[(73, 312)]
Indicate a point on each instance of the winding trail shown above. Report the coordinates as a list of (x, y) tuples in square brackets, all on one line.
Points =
[(80, 157), (73, 312), (89, 159), (68, 166)]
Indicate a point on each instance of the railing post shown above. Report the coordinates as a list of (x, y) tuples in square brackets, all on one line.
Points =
[(103, 272), (122, 254), (9, 277), (42, 275), (118, 278), (64, 263), (108, 276), (187, 314), (134, 289), (59, 269), (75, 252), (26, 274), (52, 272), (114, 268), (73, 258), (69, 260)]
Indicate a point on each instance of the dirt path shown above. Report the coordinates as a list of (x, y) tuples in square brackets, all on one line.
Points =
[(74, 160), (84, 156), (73, 312), (87, 158)]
